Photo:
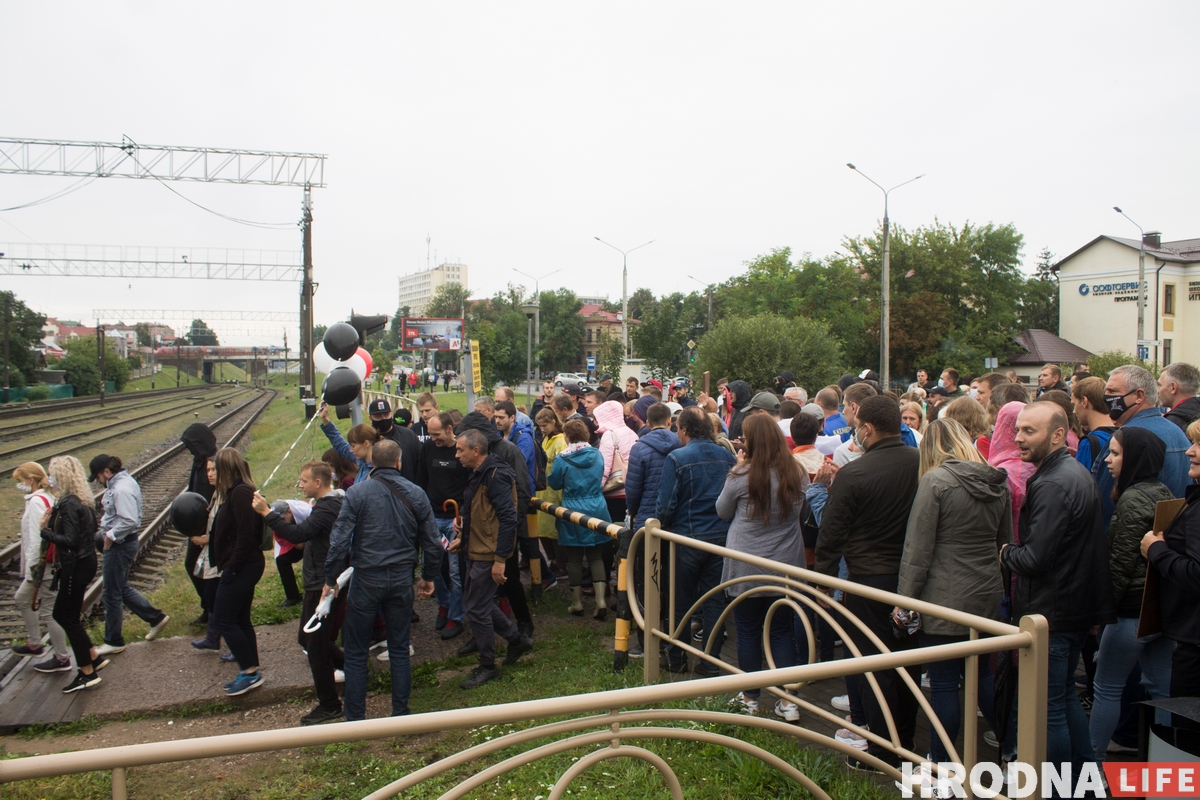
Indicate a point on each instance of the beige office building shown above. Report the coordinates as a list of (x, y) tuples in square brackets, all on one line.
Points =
[(1098, 295), (417, 290)]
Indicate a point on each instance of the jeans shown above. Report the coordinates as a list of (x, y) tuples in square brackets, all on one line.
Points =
[(944, 677), (486, 619), (283, 564), (749, 616), (696, 573), (324, 656), (68, 606), (387, 591), (1120, 651), (449, 593), (118, 558), (1067, 736), (33, 631), (235, 595)]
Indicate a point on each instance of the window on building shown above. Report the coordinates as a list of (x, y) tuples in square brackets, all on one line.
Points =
[(1168, 299), (589, 336), (1166, 351), (589, 353)]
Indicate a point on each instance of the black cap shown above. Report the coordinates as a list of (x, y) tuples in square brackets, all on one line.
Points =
[(585, 389), (404, 416), (379, 407), (939, 390), (572, 389), (98, 465), (604, 377)]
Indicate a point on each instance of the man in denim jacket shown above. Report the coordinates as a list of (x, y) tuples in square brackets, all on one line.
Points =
[(692, 479)]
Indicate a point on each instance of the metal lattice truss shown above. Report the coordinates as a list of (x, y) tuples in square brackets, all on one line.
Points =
[(128, 159), (118, 261), (161, 315)]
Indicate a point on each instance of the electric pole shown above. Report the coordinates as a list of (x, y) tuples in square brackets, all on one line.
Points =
[(100, 357), (7, 316), (307, 376)]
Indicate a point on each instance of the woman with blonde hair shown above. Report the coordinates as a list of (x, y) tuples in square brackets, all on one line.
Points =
[(913, 415), (71, 527), (959, 519), (35, 590), (235, 545), (553, 443), (968, 413)]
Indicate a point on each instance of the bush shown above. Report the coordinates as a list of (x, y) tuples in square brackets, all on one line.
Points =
[(756, 349), (1104, 362), (39, 392), (134, 361)]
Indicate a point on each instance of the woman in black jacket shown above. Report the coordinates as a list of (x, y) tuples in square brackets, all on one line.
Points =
[(236, 550), (1175, 555), (71, 527)]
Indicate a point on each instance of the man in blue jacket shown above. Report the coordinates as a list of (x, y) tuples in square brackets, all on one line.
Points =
[(691, 480)]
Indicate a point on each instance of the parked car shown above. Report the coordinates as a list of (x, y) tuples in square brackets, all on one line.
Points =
[(569, 377)]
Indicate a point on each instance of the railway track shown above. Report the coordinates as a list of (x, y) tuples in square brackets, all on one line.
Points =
[(46, 417), (161, 479), (15, 410)]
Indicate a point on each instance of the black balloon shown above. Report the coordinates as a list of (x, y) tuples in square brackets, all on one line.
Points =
[(341, 341), (189, 514), (341, 386)]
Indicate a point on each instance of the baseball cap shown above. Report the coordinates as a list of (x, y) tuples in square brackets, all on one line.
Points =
[(939, 390), (379, 407), (98, 465), (404, 416), (653, 382), (572, 389), (764, 400), (814, 410), (675, 408), (604, 377)]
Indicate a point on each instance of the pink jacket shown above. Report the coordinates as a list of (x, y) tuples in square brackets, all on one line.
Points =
[(1005, 455), (614, 433)]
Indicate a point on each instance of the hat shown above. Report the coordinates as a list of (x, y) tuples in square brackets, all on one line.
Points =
[(280, 506), (814, 410), (585, 388), (675, 408), (939, 390), (403, 416), (98, 465), (379, 407), (653, 382), (604, 377), (764, 400), (572, 389), (642, 405)]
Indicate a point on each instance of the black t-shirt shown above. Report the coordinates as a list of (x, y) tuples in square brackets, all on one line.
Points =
[(410, 450), (442, 476)]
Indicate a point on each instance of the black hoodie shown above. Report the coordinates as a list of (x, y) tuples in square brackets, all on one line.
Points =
[(202, 444), (507, 452), (741, 398)]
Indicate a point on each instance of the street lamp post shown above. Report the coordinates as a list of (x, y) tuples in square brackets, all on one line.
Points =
[(531, 311), (708, 292), (1141, 306), (537, 314), (624, 291), (886, 280)]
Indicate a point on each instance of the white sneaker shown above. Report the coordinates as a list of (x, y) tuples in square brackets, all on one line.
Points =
[(787, 711), (749, 704), (925, 681), (930, 785), (339, 676), (847, 736), (384, 656), (155, 630), (990, 739), (109, 650), (841, 702)]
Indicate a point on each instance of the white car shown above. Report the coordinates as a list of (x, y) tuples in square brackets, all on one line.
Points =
[(569, 377)]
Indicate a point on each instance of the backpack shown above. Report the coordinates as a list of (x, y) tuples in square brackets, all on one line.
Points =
[(1098, 444)]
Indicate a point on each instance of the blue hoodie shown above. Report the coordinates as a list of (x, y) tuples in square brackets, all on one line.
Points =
[(522, 436), (578, 475), (645, 467)]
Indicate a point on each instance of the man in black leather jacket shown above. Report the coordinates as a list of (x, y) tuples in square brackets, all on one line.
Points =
[(1062, 569)]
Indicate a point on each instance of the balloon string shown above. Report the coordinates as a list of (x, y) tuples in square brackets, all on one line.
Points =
[(290, 449)]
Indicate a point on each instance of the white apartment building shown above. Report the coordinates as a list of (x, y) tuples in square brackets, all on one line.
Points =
[(417, 290)]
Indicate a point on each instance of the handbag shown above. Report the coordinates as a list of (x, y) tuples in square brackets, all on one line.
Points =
[(616, 478)]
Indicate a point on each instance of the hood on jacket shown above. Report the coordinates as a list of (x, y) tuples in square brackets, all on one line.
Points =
[(520, 424), (198, 438), (609, 416), (584, 458), (1142, 457), (476, 421), (643, 405), (982, 482), (1004, 436), (741, 393), (661, 440)]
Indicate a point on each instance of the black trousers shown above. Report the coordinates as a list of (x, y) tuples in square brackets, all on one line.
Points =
[(283, 563), (324, 656), (235, 595), (900, 699), (513, 589), (189, 563), (68, 605), (1185, 677)]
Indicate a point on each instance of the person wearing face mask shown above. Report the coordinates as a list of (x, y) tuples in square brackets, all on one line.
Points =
[(1131, 394), (410, 445), (33, 482), (852, 448)]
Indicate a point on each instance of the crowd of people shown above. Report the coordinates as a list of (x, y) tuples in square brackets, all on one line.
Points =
[(980, 495)]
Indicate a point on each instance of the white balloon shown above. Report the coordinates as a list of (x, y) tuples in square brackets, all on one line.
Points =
[(322, 361), (357, 366)]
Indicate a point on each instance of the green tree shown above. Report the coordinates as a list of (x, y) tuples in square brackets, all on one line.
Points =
[(756, 349), (24, 333), (1104, 362), (382, 362), (144, 339), (561, 330), (448, 301), (609, 356), (201, 334), (1039, 302), (638, 301), (660, 338), (83, 368), (319, 334)]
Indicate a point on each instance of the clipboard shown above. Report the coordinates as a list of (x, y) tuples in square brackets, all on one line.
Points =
[(1150, 619)]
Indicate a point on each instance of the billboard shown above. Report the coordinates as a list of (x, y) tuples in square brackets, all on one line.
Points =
[(431, 334)]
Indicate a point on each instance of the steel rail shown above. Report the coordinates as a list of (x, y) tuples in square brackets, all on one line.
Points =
[(22, 427), (23, 408)]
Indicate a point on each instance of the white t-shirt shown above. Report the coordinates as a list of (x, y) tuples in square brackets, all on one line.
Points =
[(844, 455), (828, 445)]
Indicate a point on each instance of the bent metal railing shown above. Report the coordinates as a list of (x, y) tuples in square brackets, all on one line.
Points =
[(609, 726)]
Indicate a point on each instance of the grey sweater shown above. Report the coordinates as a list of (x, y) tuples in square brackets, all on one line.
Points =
[(779, 539)]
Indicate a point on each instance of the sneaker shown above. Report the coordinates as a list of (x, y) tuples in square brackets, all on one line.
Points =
[(378, 643), (228, 657), (243, 683), (100, 663), (635, 650), (27, 650), (320, 714), (468, 648), (157, 627), (206, 644), (441, 618), (415, 618), (291, 601), (81, 682), (698, 638), (517, 649), (339, 676), (110, 649), (1086, 701), (54, 664), (480, 676), (847, 736), (841, 702), (787, 711), (707, 670), (451, 629), (748, 704), (925, 681), (384, 656), (200, 620), (929, 786), (990, 739), (549, 582)]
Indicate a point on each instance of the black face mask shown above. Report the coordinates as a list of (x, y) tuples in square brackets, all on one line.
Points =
[(1116, 404), (382, 425)]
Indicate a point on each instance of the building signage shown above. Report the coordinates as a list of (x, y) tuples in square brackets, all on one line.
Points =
[(1193, 290), (1120, 292)]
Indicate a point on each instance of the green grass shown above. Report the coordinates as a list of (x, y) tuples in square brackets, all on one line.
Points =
[(84, 725), (166, 378)]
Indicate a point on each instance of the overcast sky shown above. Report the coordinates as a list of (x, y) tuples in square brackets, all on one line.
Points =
[(513, 133)]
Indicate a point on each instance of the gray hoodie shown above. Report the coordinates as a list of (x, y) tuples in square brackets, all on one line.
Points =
[(960, 518)]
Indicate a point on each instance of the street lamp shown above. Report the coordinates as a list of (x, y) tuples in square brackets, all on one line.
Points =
[(886, 306), (537, 314), (531, 310), (1141, 307), (624, 291), (708, 292)]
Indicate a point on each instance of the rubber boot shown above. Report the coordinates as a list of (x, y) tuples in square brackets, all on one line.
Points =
[(601, 602), (576, 606)]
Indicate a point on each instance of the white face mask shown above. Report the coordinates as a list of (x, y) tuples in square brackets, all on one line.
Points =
[(25, 488), (974, 394), (53, 483)]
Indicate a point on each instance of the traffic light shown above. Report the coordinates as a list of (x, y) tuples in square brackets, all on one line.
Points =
[(367, 325)]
